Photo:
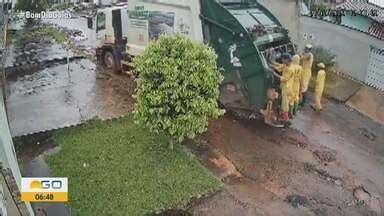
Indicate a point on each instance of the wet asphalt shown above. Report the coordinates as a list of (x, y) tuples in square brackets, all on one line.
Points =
[(51, 98), (45, 91)]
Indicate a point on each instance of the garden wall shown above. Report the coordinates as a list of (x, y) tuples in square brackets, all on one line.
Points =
[(352, 47)]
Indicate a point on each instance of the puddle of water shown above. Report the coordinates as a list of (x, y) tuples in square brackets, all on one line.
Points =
[(297, 200), (33, 54), (34, 83)]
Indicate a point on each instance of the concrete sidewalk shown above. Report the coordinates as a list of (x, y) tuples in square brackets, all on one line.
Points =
[(340, 88), (364, 99), (369, 102)]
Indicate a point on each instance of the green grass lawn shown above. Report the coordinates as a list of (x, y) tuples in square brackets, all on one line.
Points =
[(119, 168)]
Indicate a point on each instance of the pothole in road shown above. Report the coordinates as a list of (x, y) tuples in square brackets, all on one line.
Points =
[(296, 142), (323, 174), (363, 197), (297, 200), (324, 156), (232, 179), (368, 134)]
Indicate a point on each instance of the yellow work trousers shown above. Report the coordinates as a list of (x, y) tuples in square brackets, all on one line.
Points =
[(318, 95), (295, 93), (285, 99), (307, 74)]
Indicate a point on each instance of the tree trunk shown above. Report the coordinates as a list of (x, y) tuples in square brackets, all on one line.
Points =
[(171, 143)]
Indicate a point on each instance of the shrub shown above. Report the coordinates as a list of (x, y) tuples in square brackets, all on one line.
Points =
[(178, 87), (60, 6), (324, 55), (34, 6), (319, 10)]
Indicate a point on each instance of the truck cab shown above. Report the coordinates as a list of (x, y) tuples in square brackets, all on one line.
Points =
[(110, 24), (110, 28)]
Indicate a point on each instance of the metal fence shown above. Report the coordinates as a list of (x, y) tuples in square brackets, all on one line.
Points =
[(2, 45), (375, 70)]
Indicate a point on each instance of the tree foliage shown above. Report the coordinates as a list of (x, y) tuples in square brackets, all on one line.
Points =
[(319, 10), (32, 6), (178, 87), (323, 55)]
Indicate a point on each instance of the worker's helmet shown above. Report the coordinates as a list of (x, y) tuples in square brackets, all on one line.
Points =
[(321, 65), (308, 46)]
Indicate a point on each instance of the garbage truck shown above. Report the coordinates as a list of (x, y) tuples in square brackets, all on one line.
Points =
[(240, 31)]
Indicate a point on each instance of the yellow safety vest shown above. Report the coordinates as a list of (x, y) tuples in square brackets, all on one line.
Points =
[(297, 77), (307, 61), (287, 72)]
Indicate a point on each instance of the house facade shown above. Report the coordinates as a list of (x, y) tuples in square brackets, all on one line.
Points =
[(356, 37), (363, 16)]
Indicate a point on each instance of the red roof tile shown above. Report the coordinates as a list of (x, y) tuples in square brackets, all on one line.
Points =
[(377, 30), (359, 5)]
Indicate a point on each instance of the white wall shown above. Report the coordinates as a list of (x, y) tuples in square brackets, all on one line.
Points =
[(378, 2), (351, 47), (287, 12), (103, 2), (7, 150)]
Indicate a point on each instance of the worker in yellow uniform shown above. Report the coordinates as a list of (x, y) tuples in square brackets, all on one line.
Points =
[(319, 88), (287, 70), (296, 84), (306, 63)]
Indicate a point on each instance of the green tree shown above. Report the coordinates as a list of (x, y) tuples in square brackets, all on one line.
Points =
[(32, 5), (323, 55), (178, 87)]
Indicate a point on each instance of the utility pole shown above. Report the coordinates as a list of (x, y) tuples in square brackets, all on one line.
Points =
[(66, 47), (299, 9)]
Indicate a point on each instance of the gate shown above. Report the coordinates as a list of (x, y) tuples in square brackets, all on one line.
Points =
[(375, 70)]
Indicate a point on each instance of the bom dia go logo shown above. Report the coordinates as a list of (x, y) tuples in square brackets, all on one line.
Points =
[(44, 189)]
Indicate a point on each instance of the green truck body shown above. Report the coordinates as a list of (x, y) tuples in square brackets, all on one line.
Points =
[(227, 27)]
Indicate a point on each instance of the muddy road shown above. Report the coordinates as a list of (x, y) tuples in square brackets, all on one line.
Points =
[(329, 163)]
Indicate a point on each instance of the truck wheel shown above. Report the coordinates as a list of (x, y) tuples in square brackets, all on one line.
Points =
[(109, 61)]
